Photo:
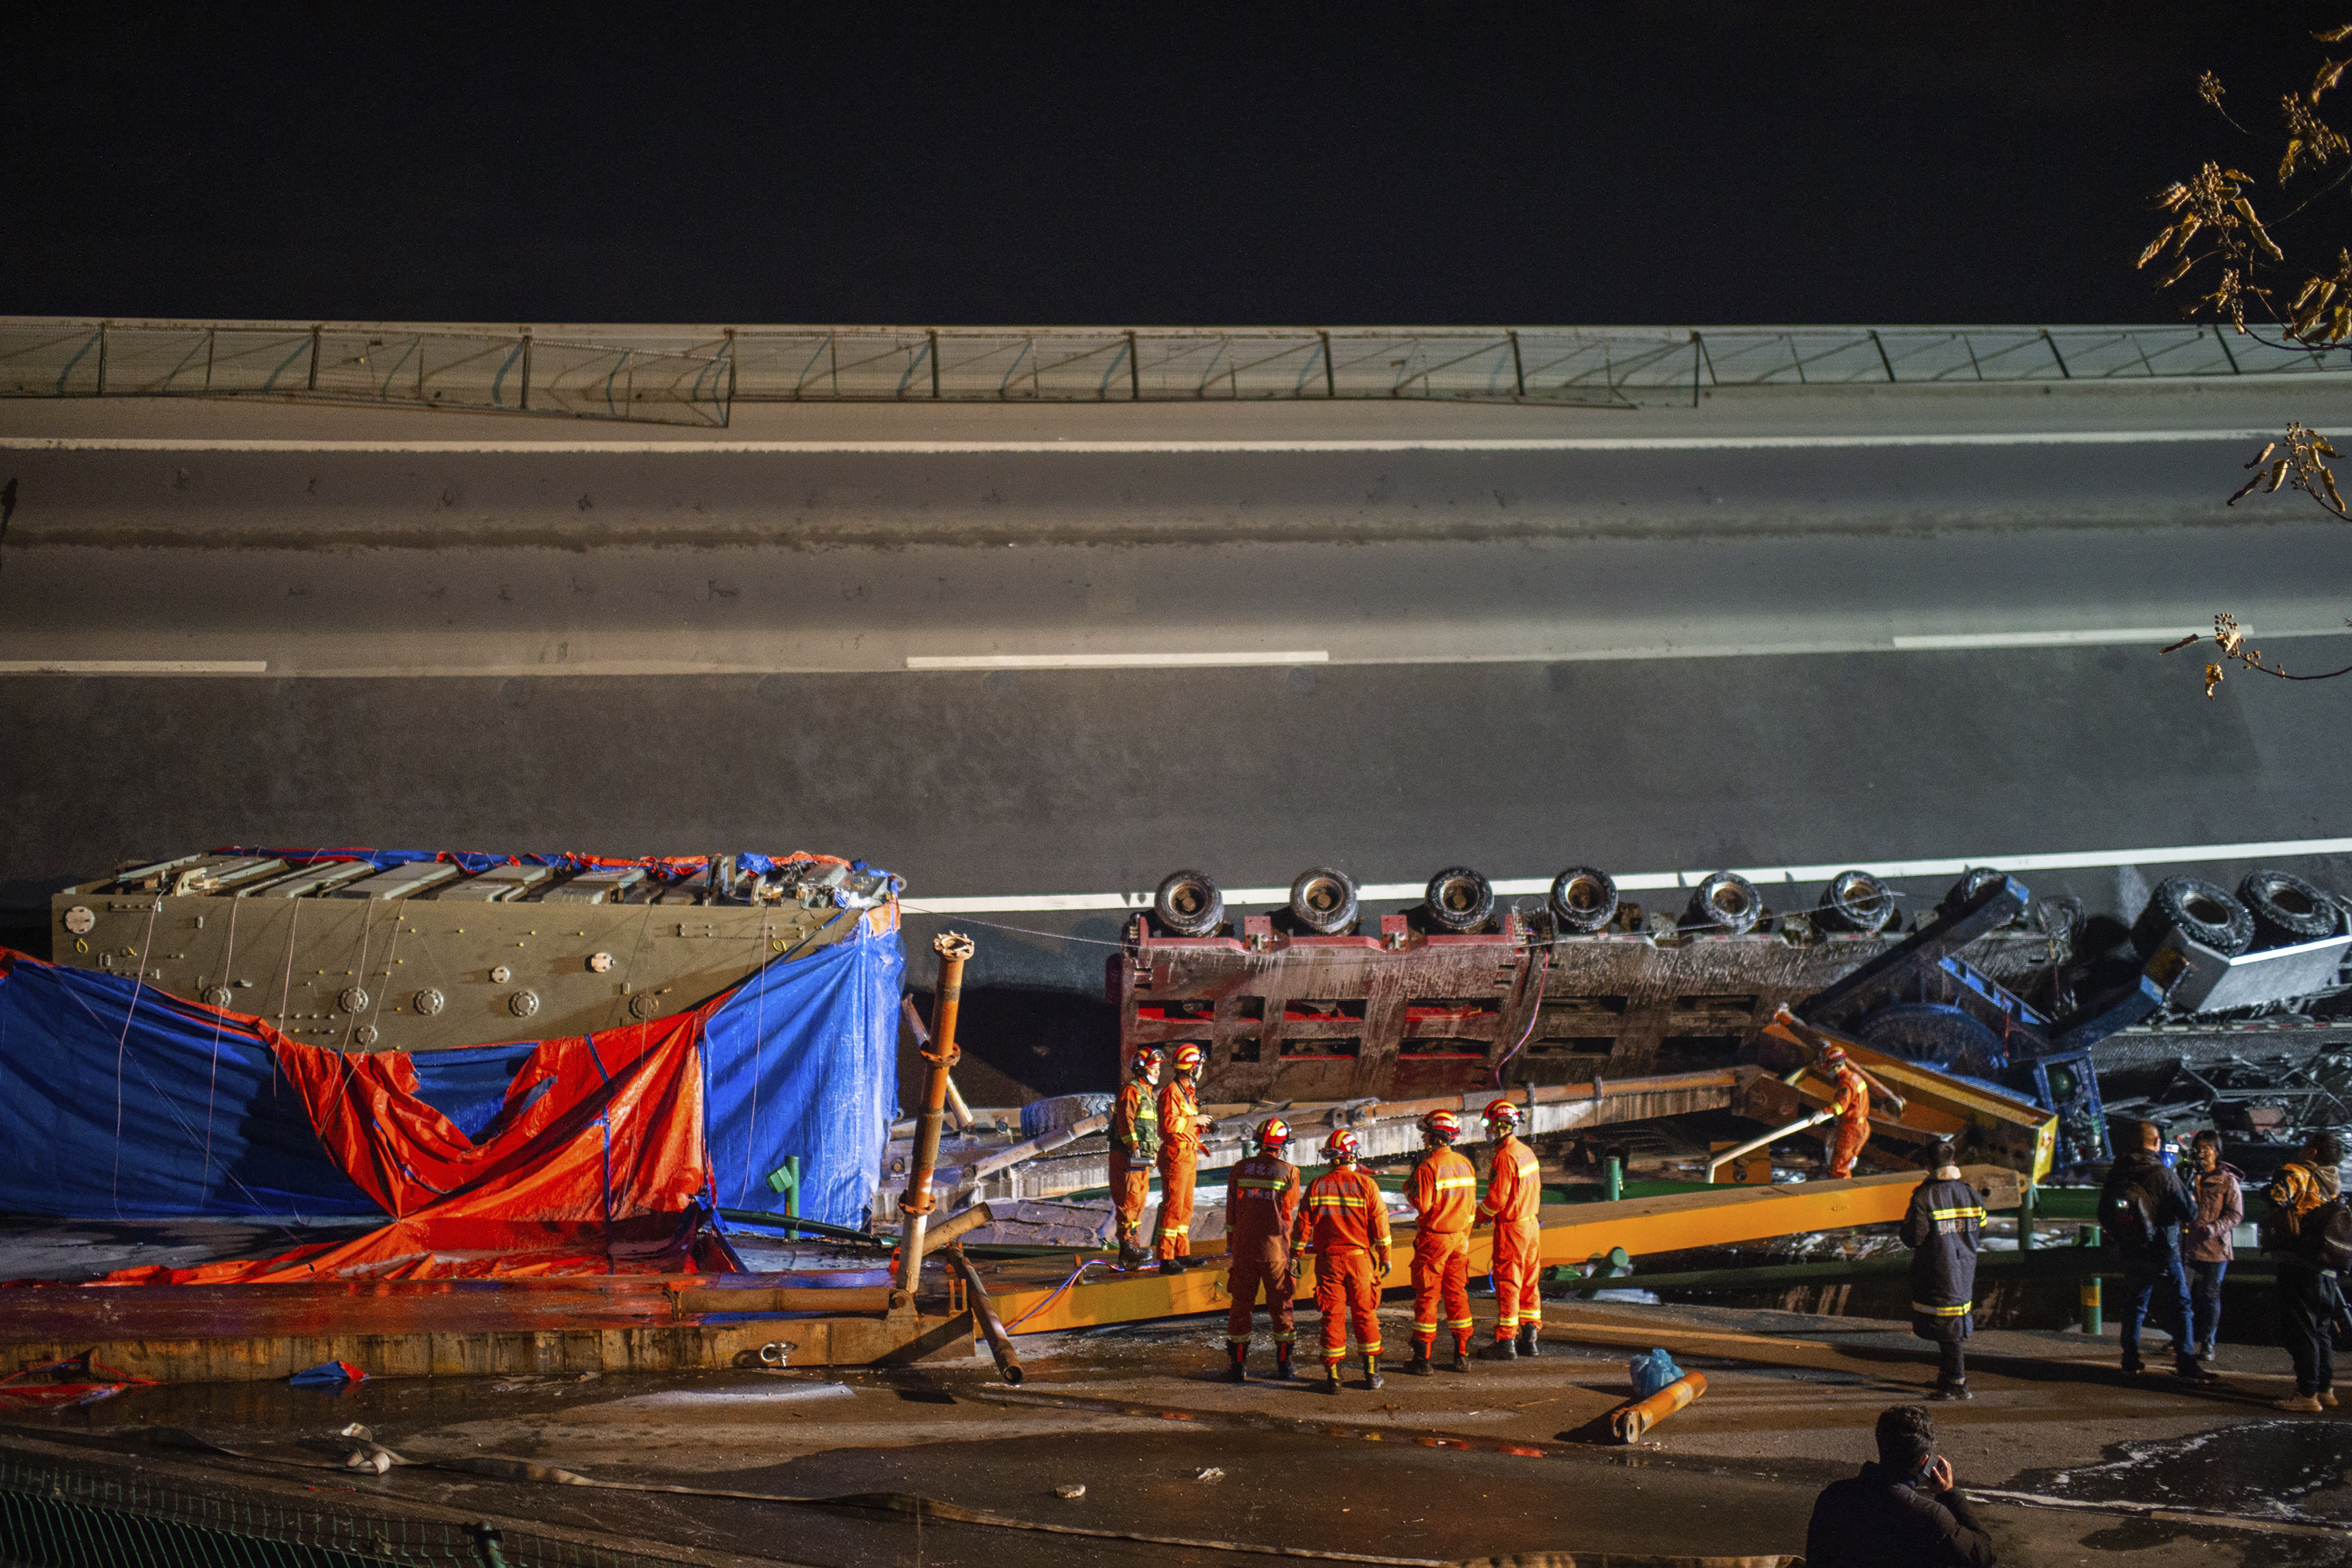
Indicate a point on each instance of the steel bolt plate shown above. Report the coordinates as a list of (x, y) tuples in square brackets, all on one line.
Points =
[(78, 919), (501, 974), (427, 1002), (599, 962), (353, 1000), (523, 1004), (216, 995)]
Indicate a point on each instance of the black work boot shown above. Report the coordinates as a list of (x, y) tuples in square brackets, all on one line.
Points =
[(1330, 1376), (1238, 1372), (1501, 1350), (1132, 1256), (1373, 1378), (1462, 1354), (1173, 1266), (1419, 1365), (1948, 1392), (1527, 1339), (1282, 1363)]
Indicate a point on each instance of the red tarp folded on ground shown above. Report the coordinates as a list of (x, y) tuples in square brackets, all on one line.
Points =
[(594, 1165)]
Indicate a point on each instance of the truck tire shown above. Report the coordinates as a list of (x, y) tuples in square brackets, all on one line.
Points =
[(1726, 904), (1856, 901), (2201, 911), (1973, 880), (2286, 908), (1459, 899), (1583, 900), (1324, 901), (1188, 904)]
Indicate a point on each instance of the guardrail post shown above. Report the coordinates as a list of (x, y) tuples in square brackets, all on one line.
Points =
[(1612, 1178), (1887, 365), (933, 336), (730, 367), (101, 360), (1330, 381), (2052, 345), (310, 383), (1698, 353), (1518, 370), (1134, 370), (526, 373), (2093, 1303), (2025, 1218)]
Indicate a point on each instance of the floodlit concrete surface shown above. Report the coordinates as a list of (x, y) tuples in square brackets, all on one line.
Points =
[(2080, 1453)]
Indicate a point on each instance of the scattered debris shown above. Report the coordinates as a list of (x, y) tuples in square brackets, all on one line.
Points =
[(1211, 1474), (337, 1375), (1071, 1492), (87, 1381)]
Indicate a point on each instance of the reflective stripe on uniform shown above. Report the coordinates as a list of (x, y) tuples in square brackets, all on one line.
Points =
[(1446, 1182), (1973, 1212), (1927, 1311), (1261, 1183), (1333, 1200), (1457, 1322), (1425, 1328)]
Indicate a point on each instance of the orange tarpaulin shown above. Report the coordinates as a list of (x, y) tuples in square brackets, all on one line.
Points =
[(594, 1165)]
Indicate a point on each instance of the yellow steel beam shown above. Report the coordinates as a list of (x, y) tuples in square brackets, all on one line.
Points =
[(1937, 1105), (1032, 1299)]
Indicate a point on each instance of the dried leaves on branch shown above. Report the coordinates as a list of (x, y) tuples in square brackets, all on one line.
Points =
[(2217, 237)]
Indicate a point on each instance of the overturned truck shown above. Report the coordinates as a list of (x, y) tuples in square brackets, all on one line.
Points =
[(1314, 1002)]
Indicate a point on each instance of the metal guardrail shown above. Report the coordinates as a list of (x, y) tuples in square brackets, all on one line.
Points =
[(692, 376)]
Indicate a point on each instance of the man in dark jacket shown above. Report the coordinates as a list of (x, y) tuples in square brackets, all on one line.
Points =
[(1904, 1512), (1941, 1230), (2142, 1208), (2308, 1234)]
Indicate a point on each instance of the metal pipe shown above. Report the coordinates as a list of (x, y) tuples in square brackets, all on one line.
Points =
[(916, 1206), (1628, 1422), (956, 1107), (1612, 1178), (1000, 1344), (1719, 1161)]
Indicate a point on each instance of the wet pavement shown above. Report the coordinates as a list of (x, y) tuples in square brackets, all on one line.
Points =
[(2089, 1466)]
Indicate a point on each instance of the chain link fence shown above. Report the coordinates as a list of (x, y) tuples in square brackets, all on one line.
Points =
[(53, 1516), (688, 376)]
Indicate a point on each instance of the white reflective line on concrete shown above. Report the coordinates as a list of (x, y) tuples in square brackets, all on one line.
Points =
[(1648, 881), (2045, 639), (134, 666), (1727, 443), (1107, 660)]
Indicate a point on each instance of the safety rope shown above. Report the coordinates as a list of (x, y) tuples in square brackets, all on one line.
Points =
[(212, 1090), (121, 1044), (1056, 1293)]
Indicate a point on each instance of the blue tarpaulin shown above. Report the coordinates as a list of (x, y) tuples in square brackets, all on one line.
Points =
[(118, 1101)]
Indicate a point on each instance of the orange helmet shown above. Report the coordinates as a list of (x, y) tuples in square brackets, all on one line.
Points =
[(1341, 1147), (1273, 1134), (1504, 1113), (1147, 1061), (1834, 1056), (1187, 1059), (1441, 1127)]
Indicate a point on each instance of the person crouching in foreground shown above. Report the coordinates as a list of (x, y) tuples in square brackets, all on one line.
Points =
[(1941, 1229), (1904, 1511)]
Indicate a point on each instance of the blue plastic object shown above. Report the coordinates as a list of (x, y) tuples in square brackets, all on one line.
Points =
[(1651, 1372)]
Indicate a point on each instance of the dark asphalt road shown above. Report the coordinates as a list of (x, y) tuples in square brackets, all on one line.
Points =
[(664, 652)]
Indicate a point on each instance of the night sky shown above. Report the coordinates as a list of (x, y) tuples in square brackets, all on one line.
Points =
[(1661, 164)]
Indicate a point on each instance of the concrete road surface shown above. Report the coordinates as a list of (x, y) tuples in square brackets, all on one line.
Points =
[(1022, 651)]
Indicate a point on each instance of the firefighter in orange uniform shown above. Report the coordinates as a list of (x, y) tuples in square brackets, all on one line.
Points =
[(1443, 1193), (1261, 1210), (1134, 1145), (1180, 1156), (1348, 1226), (1513, 1193), (1850, 1092)]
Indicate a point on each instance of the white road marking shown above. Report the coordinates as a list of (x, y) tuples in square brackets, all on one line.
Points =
[(2053, 639), (1107, 660), (1649, 881), (134, 666), (2153, 637), (1724, 442)]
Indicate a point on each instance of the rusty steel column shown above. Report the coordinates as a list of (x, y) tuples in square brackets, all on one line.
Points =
[(916, 1203)]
